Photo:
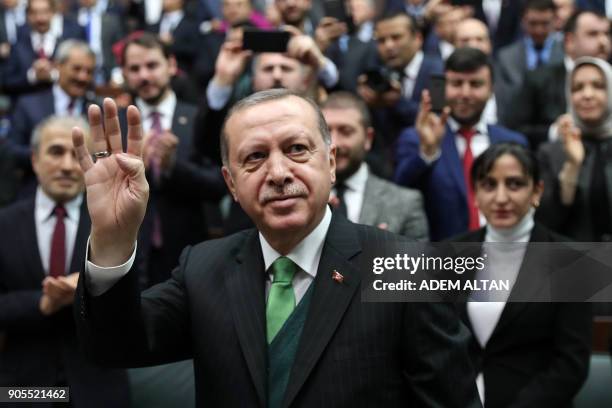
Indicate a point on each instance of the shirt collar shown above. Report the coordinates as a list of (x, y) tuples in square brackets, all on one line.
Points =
[(44, 206), (480, 127), (165, 107), (61, 97), (174, 16), (357, 181), (569, 63), (412, 69), (521, 232), (366, 32), (307, 253)]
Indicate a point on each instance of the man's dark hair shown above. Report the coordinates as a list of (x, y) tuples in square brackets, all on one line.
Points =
[(51, 3), (539, 5), (468, 59), (412, 26), (146, 40), (484, 163), (347, 100), (572, 22)]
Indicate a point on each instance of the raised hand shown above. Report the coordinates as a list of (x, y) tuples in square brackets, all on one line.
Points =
[(571, 137), (429, 126), (117, 189)]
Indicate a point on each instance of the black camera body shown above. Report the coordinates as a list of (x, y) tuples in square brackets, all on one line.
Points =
[(380, 79)]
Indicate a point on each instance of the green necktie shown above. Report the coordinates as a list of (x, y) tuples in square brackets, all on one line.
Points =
[(281, 300)]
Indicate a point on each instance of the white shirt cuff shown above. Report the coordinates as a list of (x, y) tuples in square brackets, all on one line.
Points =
[(31, 74), (328, 74), (100, 279), (430, 159), (217, 95)]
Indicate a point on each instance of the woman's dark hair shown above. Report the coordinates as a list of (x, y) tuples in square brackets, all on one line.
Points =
[(485, 162)]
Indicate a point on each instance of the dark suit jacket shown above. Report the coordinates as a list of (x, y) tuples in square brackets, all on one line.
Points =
[(351, 353), (511, 69), (442, 183), (23, 56), (508, 25), (179, 196), (352, 62), (596, 5), (186, 42), (40, 350), (538, 354), (576, 220), (540, 102)]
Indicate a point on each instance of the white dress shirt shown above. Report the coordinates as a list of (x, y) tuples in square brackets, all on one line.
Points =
[(45, 225), (45, 41), (609, 8), (165, 108), (353, 196), (61, 102), (95, 31), (446, 49), (492, 11), (10, 23), (412, 71), (170, 21), (502, 262), (306, 255)]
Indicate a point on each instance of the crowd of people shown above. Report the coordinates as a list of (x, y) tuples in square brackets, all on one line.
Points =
[(518, 150)]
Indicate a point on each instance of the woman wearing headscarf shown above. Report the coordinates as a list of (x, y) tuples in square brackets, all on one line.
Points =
[(577, 169)]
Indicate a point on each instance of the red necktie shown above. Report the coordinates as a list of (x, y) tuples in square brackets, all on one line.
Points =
[(57, 262), (468, 160)]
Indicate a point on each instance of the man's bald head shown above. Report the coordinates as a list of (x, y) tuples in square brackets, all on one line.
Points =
[(473, 33)]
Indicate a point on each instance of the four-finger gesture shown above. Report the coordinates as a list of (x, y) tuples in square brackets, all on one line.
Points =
[(117, 190)]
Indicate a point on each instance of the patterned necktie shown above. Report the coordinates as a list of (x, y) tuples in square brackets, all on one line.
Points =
[(468, 160), (57, 261), (281, 299)]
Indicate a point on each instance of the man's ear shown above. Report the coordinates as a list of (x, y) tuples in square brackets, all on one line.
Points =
[(369, 139), (332, 162), (173, 65), (229, 181)]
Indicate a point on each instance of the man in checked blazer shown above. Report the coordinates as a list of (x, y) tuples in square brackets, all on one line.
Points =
[(368, 199), (333, 349)]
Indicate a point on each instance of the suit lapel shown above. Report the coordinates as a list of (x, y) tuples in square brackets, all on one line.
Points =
[(80, 243), (329, 302), (244, 282), (369, 210), (453, 162), (29, 240), (526, 286)]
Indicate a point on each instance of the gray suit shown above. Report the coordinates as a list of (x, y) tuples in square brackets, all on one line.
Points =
[(399, 207), (112, 32), (511, 68)]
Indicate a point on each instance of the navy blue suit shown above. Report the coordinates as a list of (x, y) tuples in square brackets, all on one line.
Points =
[(595, 5), (442, 183), (23, 56)]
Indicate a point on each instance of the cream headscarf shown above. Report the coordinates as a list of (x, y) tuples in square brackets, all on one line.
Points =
[(604, 128)]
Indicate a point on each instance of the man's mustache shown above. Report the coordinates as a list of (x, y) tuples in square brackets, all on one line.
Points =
[(283, 192)]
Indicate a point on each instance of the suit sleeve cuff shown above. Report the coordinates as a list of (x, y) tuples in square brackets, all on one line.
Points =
[(100, 279)]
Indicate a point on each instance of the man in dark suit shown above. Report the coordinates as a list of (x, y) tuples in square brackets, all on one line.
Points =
[(502, 17), (75, 63), (436, 155), (40, 261), (180, 179), (395, 106), (542, 100), (538, 47), (179, 31), (313, 341), (102, 31), (29, 66)]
